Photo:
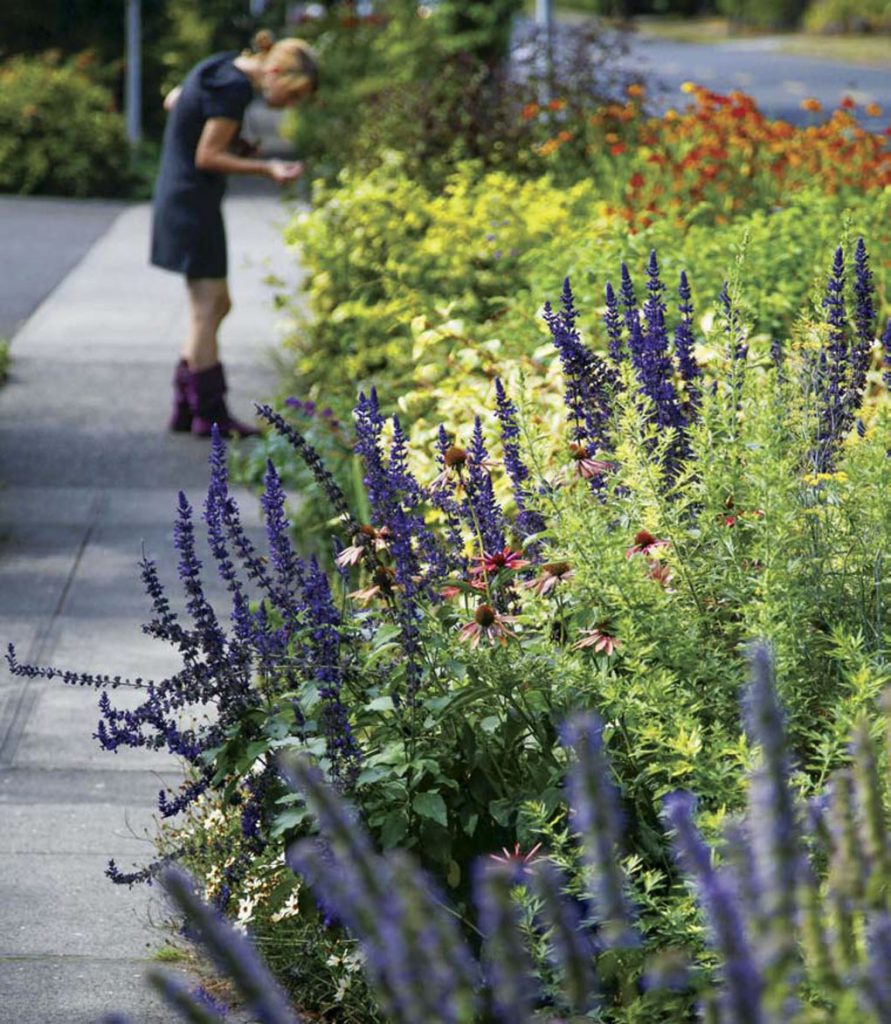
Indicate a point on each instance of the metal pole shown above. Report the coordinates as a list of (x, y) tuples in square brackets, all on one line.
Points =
[(133, 80), (544, 15)]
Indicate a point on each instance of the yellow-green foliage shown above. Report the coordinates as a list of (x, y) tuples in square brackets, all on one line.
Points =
[(59, 131), (430, 297)]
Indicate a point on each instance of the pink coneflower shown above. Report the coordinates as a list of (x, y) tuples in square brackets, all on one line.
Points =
[(366, 538), (506, 559), (487, 623), (599, 639), (383, 583), (515, 856), (551, 574), (661, 573), (454, 460), (585, 466), (645, 544)]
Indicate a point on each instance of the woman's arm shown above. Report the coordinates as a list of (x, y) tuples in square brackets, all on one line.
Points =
[(213, 154)]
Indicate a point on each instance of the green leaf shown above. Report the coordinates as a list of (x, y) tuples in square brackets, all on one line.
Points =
[(381, 704), (431, 805), (288, 819), (394, 827)]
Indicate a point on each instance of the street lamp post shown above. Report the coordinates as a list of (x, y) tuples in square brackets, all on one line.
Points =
[(133, 80)]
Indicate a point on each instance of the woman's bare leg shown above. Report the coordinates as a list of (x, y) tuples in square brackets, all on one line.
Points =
[(209, 302)]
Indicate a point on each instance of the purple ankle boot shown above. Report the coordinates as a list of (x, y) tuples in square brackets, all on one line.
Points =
[(206, 391), (181, 417)]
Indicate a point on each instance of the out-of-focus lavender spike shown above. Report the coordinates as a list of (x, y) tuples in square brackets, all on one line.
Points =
[(338, 822), (441, 970), (574, 950), (813, 934), (509, 972), (876, 986), (844, 863), (340, 891), (742, 873), (596, 816), (179, 996), (845, 884), (871, 817), (612, 321), (771, 817), (743, 986), (231, 952)]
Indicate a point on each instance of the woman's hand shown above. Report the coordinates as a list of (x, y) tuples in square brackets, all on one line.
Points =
[(283, 172)]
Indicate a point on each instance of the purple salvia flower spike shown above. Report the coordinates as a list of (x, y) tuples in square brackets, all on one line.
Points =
[(232, 953), (289, 567), (690, 371), (742, 983), (340, 743), (509, 973), (596, 816), (654, 367), (834, 374), (574, 951), (488, 516), (631, 316), (771, 817), (330, 487), (528, 522), (180, 997), (612, 321), (886, 355), (864, 326)]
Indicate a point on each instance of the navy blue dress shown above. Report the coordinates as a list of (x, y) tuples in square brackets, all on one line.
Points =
[(187, 227)]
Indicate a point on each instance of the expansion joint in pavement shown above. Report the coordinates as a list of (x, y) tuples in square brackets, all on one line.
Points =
[(17, 708)]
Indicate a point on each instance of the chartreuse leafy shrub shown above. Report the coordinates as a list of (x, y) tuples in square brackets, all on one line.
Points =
[(674, 516), (59, 131), (795, 900), (431, 297)]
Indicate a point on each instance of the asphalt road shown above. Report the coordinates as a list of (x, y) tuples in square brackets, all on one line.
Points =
[(778, 81)]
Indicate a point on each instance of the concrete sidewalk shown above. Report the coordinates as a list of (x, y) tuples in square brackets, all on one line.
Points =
[(88, 479)]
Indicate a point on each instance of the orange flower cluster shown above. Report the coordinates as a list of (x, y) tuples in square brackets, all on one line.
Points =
[(721, 157)]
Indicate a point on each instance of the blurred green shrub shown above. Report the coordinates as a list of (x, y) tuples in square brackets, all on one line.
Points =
[(60, 132), (848, 16)]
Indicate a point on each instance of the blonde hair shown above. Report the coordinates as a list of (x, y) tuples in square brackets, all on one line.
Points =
[(297, 60)]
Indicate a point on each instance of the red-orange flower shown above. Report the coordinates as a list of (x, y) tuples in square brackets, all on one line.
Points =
[(812, 104)]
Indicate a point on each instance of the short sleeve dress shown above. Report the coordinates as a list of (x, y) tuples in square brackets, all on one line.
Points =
[(188, 235)]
